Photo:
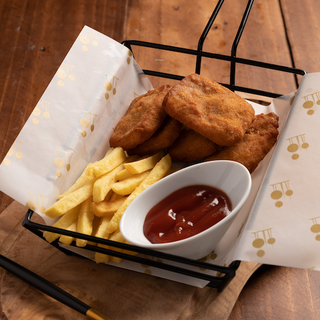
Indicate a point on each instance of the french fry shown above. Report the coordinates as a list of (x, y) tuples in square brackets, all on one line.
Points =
[(70, 201), (123, 174), (84, 224), (115, 196), (101, 257), (132, 253), (95, 225), (94, 204), (98, 168), (102, 232), (67, 239), (145, 164), (104, 208), (118, 237), (103, 184), (127, 186), (79, 183), (156, 174), (82, 179), (63, 223)]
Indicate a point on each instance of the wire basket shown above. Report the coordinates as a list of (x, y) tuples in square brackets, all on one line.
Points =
[(223, 274)]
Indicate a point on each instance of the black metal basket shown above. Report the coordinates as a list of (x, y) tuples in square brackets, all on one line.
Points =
[(223, 274)]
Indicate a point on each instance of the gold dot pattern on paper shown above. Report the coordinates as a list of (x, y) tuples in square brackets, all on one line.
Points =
[(315, 228), (212, 256), (280, 190), (62, 161), (310, 102), (36, 201), (130, 55), (15, 151), (263, 238), (88, 38), (87, 121), (41, 110), (297, 143), (110, 85), (292, 96), (66, 71)]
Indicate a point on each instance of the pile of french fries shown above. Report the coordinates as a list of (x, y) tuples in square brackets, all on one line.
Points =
[(94, 204)]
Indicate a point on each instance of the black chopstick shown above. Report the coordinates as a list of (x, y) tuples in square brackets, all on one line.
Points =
[(50, 289)]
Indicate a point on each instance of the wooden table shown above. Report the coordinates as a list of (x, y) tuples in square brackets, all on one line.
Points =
[(36, 36)]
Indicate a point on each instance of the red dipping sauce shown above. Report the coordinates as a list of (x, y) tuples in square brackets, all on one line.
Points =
[(186, 212)]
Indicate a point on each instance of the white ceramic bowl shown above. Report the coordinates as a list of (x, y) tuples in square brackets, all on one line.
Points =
[(229, 176)]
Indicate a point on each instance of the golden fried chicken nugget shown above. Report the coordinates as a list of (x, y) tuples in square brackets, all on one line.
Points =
[(162, 138), (257, 142), (191, 146), (209, 109), (142, 119)]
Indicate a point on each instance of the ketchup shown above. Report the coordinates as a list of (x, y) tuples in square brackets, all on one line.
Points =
[(186, 212)]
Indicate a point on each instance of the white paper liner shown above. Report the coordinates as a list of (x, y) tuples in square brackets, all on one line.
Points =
[(71, 125)]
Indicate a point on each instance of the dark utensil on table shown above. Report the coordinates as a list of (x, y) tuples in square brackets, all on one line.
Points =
[(50, 289)]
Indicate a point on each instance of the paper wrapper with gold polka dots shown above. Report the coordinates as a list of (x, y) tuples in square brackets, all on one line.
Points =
[(71, 125), (283, 227), (72, 122)]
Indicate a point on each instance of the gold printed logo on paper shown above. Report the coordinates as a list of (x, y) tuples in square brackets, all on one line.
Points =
[(87, 121), (262, 238), (296, 143), (130, 56), (310, 101), (14, 151), (110, 85), (292, 97), (212, 256), (66, 71), (42, 110), (89, 37), (62, 160), (36, 201), (280, 189), (315, 228)]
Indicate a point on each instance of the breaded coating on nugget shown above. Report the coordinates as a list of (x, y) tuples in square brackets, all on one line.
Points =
[(142, 119), (257, 142), (162, 138), (191, 146), (209, 109)]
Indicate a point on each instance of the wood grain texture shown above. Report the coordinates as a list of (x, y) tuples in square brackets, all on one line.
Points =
[(181, 24), (10, 228), (303, 27)]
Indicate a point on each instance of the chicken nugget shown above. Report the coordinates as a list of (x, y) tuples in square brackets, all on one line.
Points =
[(142, 119), (191, 146), (162, 138), (257, 142), (209, 109)]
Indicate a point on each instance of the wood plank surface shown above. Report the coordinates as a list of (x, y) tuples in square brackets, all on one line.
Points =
[(36, 35), (181, 24)]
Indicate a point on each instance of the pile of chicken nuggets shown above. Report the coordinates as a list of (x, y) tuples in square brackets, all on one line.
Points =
[(196, 119)]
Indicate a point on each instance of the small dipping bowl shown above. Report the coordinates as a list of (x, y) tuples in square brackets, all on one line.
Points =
[(229, 176)]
